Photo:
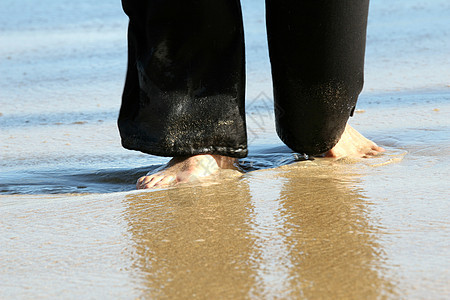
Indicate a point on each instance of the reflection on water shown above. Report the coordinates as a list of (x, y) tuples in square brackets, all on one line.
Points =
[(193, 241), (302, 232), (333, 245)]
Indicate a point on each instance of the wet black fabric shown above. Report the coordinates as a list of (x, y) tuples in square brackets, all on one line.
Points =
[(316, 51), (185, 84)]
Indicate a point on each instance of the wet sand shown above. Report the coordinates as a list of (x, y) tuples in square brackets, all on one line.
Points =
[(72, 226)]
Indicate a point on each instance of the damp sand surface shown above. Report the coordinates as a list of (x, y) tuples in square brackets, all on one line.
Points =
[(72, 226)]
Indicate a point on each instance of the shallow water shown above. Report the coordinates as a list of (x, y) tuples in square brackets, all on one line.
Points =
[(72, 226)]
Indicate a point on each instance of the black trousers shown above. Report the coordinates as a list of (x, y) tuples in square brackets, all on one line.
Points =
[(185, 84)]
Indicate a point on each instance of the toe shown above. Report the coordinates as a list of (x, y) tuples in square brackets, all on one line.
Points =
[(142, 181), (165, 181), (146, 182), (378, 148), (371, 153), (154, 181)]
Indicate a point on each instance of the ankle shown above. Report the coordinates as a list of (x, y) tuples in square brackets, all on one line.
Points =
[(224, 162)]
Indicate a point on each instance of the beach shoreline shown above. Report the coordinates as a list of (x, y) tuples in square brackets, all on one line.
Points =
[(73, 226)]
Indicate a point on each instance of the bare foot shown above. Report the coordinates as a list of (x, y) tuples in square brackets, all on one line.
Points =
[(353, 144), (186, 169)]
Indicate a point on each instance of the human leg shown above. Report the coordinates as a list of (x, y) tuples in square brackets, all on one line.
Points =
[(317, 56), (184, 90)]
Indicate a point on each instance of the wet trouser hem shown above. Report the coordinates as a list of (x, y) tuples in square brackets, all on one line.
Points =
[(186, 150)]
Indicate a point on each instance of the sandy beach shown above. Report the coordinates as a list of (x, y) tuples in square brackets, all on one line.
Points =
[(73, 227)]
